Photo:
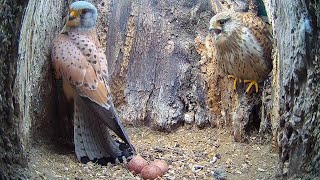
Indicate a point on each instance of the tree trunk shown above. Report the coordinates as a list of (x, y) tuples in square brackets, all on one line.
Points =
[(12, 151), (153, 63), (296, 86), (27, 96)]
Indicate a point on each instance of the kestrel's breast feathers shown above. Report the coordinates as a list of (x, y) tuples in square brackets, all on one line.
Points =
[(78, 58), (80, 61)]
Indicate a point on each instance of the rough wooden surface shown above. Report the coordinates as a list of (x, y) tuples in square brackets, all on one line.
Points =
[(296, 84), (11, 142), (27, 98), (221, 98), (152, 61)]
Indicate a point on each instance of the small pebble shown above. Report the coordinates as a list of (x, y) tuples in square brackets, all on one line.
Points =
[(217, 145), (218, 156), (245, 168), (261, 170), (214, 160), (197, 168), (229, 161), (219, 173)]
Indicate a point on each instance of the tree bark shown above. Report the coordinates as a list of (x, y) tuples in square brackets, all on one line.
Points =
[(296, 86), (153, 62), (12, 153)]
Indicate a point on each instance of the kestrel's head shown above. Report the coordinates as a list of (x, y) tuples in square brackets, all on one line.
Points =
[(82, 14), (222, 25)]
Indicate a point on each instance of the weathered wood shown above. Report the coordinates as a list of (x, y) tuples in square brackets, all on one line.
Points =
[(296, 86), (12, 156), (221, 98), (152, 61), (34, 89)]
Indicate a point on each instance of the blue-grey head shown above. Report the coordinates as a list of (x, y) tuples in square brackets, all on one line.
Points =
[(82, 15)]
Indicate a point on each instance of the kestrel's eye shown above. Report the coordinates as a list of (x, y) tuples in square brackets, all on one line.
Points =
[(221, 22), (84, 11)]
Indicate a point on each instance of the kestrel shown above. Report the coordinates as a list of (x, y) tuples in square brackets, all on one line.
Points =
[(243, 44), (80, 61)]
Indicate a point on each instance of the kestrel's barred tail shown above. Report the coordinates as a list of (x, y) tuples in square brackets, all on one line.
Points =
[(92, 139)]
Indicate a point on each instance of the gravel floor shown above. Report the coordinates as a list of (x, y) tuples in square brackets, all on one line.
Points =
[(190, 152)]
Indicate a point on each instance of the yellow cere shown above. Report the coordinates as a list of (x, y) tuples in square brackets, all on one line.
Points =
[(73, 13)]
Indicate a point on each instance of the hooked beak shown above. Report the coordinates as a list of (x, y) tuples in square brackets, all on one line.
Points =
[(216, 30)]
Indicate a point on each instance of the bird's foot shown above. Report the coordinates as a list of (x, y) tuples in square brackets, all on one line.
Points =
[(235, 81), (251, 83)]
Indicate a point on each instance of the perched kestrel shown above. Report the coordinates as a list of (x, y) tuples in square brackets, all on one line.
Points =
[(243, 45), (79, 59)]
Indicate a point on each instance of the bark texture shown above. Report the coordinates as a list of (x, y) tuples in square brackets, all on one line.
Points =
[(12, 154), (296, 86), (152, 61), (27, 94), (34, 88)]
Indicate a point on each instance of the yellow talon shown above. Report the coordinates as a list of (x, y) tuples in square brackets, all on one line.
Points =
[(252, 82), (235, 81)]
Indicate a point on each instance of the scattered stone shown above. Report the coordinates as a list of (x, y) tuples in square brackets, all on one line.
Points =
[(189, 117), (214, 160), (158, 150), (218, 156), (261, 170), (217, 145), (229, 161), (219, 174), (245, 168), (196, 168)]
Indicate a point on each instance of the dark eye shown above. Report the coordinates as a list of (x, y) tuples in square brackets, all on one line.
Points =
[(84, 11), (222, 22)]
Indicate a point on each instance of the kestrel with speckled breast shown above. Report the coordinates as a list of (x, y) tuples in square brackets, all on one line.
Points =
[(243, 46), (79, 60)]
